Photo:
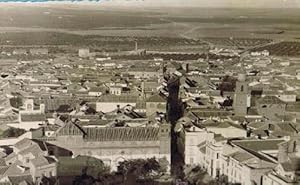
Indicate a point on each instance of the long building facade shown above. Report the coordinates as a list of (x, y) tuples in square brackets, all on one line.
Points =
[(113, 145)]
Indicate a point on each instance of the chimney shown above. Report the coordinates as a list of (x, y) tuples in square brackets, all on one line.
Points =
[(136, 46), (77, 108), (249, 132), (186, 67), (42, 108), (118, 109), (163, 68), (143, 89)]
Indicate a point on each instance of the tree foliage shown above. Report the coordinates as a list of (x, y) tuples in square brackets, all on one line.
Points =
[(16, 102), (89, 169), (227, 84), (227, 102), (143, 167)]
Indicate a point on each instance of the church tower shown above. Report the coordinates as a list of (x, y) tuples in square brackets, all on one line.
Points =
[(241, 101)]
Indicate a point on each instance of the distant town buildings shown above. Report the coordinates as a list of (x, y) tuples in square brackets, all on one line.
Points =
[(84, 53), (238, 112)]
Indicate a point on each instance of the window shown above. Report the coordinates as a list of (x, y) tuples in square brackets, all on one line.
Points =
[(50, 174), (242, 88), (217, 155), (191, 160)]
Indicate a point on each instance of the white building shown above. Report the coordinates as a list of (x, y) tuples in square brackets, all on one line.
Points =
[(84, 53), (189, 141), (109, 103), (30, 118)]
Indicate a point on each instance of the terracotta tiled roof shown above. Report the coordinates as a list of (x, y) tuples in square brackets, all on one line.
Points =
[(16, 180), (24, 143), (156, 98), (122, 98), (2, 162), (292, 165), (15, 170), (222, 125), (32, 117), (123, 134), (3, 169), (211, 113), (112, 134), (270, 100), (54, 104), (71, 129), (241, 156), (34, 149), (42, 161), (259, 145)]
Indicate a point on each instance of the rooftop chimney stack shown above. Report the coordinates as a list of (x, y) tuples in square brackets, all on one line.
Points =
[(136, 46)]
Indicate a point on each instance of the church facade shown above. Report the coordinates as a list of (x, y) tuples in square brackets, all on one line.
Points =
[(113, 145)]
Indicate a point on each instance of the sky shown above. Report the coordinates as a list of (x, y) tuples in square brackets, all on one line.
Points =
[(210, 3)]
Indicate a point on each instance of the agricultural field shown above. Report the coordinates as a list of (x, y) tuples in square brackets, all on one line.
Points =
[(176, 57), (98, 42), (237, 42), (290, 49), (184, 29)]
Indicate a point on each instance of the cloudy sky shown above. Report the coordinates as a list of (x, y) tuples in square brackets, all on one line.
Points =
[(210, 3)]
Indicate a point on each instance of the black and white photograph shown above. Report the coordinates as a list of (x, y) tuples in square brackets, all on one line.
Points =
[(150, 92)]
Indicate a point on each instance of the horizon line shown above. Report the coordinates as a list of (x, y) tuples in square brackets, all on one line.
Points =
[(128, 4)]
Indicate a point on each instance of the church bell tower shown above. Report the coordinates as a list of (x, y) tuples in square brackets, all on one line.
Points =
[(241, 101)]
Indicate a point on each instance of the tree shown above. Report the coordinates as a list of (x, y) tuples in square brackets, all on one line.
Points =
[(164, 164), (16, 102), (84, 180), (227, 84), (140, 167), (222, 180), (228, 102), (84, 170)]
